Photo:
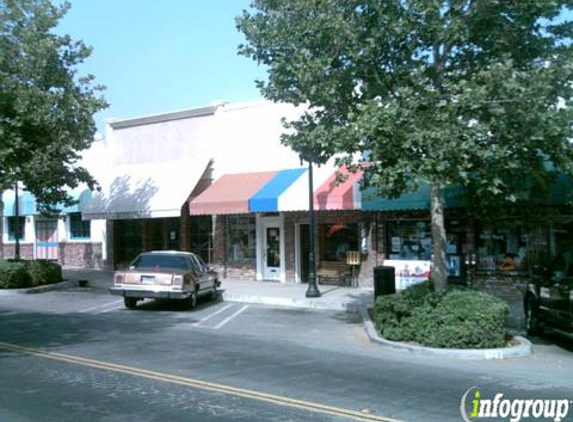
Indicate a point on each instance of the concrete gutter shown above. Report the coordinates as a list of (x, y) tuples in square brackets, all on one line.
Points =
[(523, 350), (40, 289)]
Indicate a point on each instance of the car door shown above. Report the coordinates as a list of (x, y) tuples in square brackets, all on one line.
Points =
[(549, 297), (567, 304), (564, 298), (200, 270)]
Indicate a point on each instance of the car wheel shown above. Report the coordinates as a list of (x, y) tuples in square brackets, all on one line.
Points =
[(130, 302), (192, 300), (213, 294), (532, 317)]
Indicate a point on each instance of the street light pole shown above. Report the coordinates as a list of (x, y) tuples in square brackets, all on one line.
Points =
[(312, 290), (17, 225)]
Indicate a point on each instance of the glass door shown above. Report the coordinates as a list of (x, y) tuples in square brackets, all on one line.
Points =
[(272, 258)]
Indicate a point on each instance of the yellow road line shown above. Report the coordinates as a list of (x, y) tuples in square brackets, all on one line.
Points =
[(203, 385)]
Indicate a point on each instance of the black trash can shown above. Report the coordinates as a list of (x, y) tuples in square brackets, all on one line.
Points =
[(384, 281)]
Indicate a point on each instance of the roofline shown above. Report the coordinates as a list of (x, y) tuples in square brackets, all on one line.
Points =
[(186, 114), (164, 117)]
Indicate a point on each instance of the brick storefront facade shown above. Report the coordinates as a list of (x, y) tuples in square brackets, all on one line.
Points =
[(80, 254)]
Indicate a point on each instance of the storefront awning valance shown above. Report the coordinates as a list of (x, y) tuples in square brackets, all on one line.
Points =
[(230, 194), (145, 191), (26, 202), (285, 190), (411, 201), (83, 196)]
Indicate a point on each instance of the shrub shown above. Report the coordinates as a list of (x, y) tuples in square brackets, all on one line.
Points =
[(14, 275), (21, 274), (454, 319), (44, 272)]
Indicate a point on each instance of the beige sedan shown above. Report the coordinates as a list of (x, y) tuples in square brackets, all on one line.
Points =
[(165, 275)]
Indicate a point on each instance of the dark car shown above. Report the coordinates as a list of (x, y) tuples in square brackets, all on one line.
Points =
[(549, 297), (165, 275)]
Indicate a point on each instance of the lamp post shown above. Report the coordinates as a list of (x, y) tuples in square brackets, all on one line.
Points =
[(312, 290), (17, 224)]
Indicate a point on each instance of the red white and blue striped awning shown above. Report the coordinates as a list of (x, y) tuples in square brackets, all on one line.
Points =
[(276, 191)]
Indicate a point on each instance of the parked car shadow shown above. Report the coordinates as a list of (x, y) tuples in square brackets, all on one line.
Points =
[(165, 305), (550, 337)]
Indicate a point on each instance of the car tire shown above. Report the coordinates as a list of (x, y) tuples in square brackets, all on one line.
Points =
[(192, 300), (130, 302), (213, 294), (532, 317)]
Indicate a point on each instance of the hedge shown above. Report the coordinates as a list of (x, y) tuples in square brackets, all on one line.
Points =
[(22, 274), (14, 275), (44, 272), (453, 319)]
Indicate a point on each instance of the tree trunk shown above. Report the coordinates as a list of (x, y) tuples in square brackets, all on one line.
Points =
[(439, 274)]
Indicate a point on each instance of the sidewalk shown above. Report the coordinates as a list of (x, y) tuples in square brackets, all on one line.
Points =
[(265, 293)]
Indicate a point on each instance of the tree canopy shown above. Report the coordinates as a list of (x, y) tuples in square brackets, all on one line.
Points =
[(46, 108), (474, 93)]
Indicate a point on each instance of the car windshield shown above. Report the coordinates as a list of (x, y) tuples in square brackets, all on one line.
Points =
[(160, 261)]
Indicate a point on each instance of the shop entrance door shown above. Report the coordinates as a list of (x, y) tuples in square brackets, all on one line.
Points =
[(272, 253), (47, 239)]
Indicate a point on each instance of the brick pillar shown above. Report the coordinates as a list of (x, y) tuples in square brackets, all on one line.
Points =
[(184, 228), (147, 234), (290, 248), (219, 243), (110, 245)]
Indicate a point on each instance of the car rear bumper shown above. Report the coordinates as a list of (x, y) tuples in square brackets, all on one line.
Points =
[(142, 293)]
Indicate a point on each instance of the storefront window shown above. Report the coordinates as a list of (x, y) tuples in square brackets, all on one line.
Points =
[(79, 229), (201, 237), (563, 235), (409, 240), (501, 249), (241, 238), (337, 239), (20, 222)]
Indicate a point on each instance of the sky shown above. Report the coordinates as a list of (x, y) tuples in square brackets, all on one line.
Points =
[(161, 56)]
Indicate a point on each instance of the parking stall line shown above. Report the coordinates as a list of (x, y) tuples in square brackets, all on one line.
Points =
[(105, 305), (226, 320), (208, 317), (115, 307)]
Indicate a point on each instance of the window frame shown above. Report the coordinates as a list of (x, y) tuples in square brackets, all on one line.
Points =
[(83, 223), (238, 222), (10, 226)]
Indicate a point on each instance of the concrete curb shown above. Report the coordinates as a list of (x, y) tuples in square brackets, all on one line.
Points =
[(523, 350), (40, 289), (315, 304)]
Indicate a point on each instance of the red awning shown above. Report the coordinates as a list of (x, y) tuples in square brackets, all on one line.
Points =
[(339, 196), (230, 194)]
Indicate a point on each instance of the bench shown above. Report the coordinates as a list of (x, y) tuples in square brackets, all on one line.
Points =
[(334, 271)]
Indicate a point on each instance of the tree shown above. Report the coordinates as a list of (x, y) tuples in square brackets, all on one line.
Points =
[(46, 109), (474, 93)]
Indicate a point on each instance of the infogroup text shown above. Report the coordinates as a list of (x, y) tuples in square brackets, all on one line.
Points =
[(474, 407)]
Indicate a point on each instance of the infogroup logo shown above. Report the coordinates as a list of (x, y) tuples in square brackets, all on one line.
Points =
[(474, 407)]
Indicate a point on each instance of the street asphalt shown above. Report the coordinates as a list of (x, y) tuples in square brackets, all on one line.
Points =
[(77, 354)]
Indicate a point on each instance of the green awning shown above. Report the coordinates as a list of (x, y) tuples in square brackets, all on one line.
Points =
[(562, 190), (411, 201)]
